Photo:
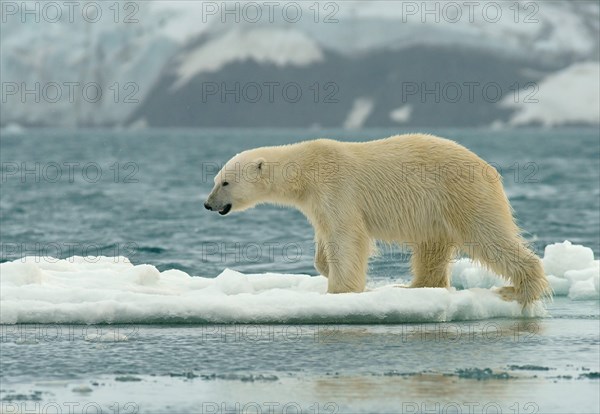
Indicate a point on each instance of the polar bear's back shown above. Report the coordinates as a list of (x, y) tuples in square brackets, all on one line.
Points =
[(425, 183), (418, 149)]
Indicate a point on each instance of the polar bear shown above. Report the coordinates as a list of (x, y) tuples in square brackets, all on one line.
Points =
[(422, 191)]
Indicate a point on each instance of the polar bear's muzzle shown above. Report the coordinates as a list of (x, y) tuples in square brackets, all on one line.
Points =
[(222, 211)]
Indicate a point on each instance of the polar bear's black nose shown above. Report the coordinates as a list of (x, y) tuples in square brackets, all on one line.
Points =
[(206, 206)]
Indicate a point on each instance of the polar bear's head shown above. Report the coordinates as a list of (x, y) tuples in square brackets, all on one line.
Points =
[(241, 184)]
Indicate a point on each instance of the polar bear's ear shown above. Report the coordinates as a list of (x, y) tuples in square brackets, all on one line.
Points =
[(260, 166), (257, 168)]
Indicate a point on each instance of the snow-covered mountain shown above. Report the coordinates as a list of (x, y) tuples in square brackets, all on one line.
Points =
[(331, 64)]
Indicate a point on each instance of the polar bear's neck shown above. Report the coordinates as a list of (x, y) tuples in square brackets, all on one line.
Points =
[(298, 174), (286, 187)]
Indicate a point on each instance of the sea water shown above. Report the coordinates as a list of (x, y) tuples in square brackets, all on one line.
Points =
[(120, 293)]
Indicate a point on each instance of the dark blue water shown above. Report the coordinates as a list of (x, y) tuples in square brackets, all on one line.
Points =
[(140, 194)]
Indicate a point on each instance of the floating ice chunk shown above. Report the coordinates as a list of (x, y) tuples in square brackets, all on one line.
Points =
[(572, 271), (112, 290), (560, 257), (105, 290)]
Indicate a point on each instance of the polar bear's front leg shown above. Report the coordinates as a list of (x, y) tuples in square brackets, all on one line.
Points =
[(348, 254)]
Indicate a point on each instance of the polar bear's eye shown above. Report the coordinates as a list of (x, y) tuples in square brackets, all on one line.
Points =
[(225, 183)]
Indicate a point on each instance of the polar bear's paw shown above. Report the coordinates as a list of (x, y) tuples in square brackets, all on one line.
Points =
[(508, 293)]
